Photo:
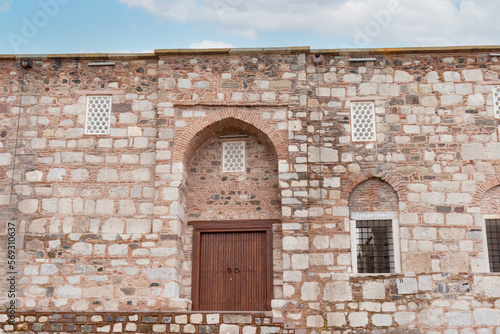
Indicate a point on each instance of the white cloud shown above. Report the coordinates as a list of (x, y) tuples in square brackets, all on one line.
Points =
[(360, 23), (205, 44), (5, 5)]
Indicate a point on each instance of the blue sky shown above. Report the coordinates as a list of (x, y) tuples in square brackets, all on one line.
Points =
[(74, 26)]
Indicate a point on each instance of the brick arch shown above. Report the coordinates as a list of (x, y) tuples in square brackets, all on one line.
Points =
[(243, 186), (395, 181), (197, 133), (483, 188)]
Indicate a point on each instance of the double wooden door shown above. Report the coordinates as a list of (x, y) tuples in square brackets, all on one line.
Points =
[(232, 266)]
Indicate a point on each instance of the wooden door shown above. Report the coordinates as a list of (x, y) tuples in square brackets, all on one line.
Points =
[(232, 266)]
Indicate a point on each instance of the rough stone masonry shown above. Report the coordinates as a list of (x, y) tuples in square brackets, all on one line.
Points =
[(103, 221)]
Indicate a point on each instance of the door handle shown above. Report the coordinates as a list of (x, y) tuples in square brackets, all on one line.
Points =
[(229, 270), (236, 271)]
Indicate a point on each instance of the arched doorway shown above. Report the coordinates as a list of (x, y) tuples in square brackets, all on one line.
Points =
[(233, 209)]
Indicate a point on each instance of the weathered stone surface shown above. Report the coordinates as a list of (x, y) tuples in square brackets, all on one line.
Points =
[(338, 291)]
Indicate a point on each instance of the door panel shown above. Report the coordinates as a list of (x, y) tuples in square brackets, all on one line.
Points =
[(233, 268)]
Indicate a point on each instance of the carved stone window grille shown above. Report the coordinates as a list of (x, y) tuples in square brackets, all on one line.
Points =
[(496, 100), (375, 248), (98, 115), (493, 241), (363, 121), (233, 156)]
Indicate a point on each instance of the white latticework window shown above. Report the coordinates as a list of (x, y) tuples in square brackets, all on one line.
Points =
[(97, 120), (363, 121), (496, 100), (233, 156)]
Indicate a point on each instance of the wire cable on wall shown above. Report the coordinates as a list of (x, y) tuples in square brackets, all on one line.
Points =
[(316, 59), (17, 135)]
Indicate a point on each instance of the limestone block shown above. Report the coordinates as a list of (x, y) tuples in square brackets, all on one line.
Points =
[(327, 155), (458, 198), (341, 242), (487, 317), (127, 207), (447, 100), (107, 175), (34, 176), (337, 291), (292, 276), (432, 77), (352, 77), (28, 206), (493, 151), (458, 318), (488, 286), (382, 320), (452, 76), (269, 330), (65, 206), (407, 286), (313, 321), (310, 291), (163, 251), (142, 105), (161, 273), (140, 226), (79, 175), (105, 291), (336, 319), (141, 174), (456, 263), (459, 219), (431, 317), (367, 88), (473, 75), (429, 101), (424, 233), (184, 83), (105, 206), (402, 76), (82, 248), (31, 270), (67, 291), (56, 174), (300, 261), (295, 243), (321, 242), (433, 197), (424, 283), (434, 218), (117, 250), (171, 194), (229, 329), (358, 319), (127, 118), (166, 83), (212, 318), (373, 290), (249, 330), (172, 290), (455, 234), (475, 100), (474, 151), (404, 318)]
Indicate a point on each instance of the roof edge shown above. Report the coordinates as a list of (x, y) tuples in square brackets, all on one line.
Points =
[(240, 51)]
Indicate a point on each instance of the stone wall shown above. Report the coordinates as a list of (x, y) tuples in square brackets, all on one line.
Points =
[(102, 220), (151, 322)]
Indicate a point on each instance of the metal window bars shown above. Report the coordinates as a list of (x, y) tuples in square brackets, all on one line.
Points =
[(493, 240), (375, 247)]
